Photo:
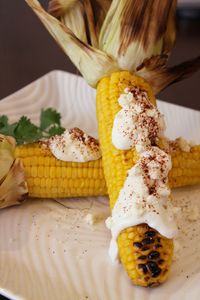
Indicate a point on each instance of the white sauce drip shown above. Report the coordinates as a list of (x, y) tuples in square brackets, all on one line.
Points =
[(144, 197)]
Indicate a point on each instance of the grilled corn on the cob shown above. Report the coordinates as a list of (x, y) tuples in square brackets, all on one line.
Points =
[(116, 165), (48, 177)]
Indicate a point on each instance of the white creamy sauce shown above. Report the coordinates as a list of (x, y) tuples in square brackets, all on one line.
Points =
[(145, 196), (138, 123), (74, 145)]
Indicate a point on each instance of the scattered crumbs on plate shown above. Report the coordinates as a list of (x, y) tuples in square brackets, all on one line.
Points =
[(92, 218), (177, 248), (85, 297), (193, 213), (176, 210)]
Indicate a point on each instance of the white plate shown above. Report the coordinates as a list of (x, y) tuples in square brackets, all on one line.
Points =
[(48, 252)]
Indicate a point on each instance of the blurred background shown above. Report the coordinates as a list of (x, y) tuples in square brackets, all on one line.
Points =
[(27, 51)]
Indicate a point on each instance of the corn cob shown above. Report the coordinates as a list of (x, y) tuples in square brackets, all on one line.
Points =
[(48, 178), (132, 242)]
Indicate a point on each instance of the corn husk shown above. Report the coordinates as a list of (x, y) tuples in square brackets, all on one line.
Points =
[(101, 37), (70, 17), (7, 146), (155, 71), (131, 34), (91, 62), (13, 186), (59, 7), (13, 190)]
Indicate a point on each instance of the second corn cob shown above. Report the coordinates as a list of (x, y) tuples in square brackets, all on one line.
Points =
[(48, 177), (133, 242)]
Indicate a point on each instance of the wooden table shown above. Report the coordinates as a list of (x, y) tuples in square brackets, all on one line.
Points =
[(27, 52)]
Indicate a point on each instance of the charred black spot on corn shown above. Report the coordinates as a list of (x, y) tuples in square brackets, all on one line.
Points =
[(147, 241), (137, 245), (142, 257), (154, 255), (143, 268), (150, 233), (161, 261)]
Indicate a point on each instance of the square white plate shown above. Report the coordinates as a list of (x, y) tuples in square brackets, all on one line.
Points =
[(48, 252)]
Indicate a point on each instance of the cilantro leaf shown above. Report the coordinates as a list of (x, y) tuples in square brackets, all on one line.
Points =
[(3, 121), (49, 117), (26, 131), (55, 130), (5, 128), (9, 129)]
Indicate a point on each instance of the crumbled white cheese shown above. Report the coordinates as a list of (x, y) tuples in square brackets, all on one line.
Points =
[(138, 123), (90, 219), (177, 249)]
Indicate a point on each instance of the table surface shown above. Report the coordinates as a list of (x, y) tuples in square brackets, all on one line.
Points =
[(27, 52)]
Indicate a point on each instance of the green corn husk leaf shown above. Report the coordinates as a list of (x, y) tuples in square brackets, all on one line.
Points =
[(134, 30), (92, 63), (13, 189), (7, 146), (58, 8)]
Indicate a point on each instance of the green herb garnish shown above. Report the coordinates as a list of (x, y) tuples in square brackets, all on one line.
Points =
[(24, 131)]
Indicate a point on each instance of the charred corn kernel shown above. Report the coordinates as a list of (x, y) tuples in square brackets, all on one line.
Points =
[(116, 165), (148, 257)]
